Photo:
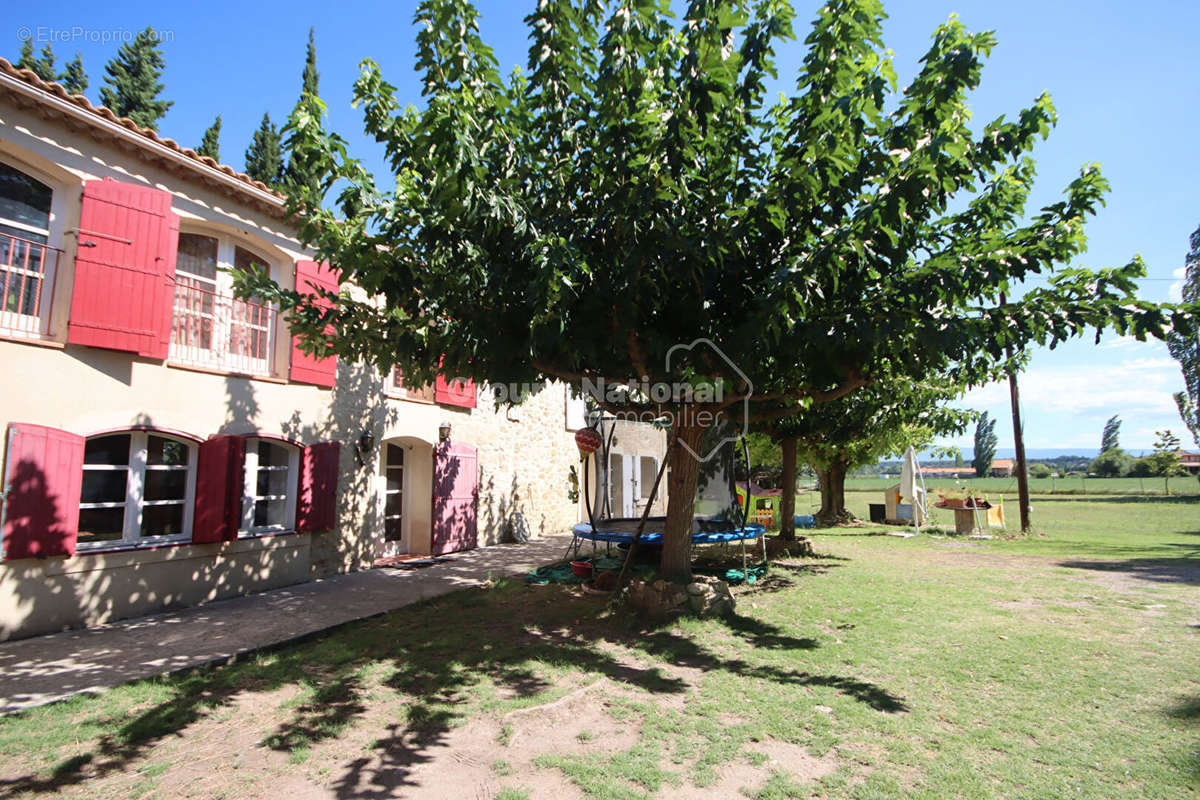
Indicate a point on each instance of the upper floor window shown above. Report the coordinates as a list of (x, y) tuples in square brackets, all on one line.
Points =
[(210, 327), (396, 387), (138, 488), (27, 262), (269, 504)]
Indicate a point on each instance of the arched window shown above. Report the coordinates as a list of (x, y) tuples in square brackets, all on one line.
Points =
[(139, 487), (272, 471), (27, 262), (210, 327)]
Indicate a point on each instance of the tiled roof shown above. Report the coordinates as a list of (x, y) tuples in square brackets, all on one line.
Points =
[(252, 187)]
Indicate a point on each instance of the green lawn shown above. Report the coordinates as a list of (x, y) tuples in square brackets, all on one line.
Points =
[(1063, 664), (1076, 484)]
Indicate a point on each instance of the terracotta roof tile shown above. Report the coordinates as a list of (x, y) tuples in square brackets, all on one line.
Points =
[(58, 90)]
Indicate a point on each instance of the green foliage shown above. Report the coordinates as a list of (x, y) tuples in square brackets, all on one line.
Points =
[(985, 445), (1109, 439), (1039, 471), (1185, 346), (765, 455), (1141, 468), (73, 78), (210, 145), (1112, 463), (637, 187), (300, 171), (1165, 460), (131, 81), (264, 156), (43, 65)]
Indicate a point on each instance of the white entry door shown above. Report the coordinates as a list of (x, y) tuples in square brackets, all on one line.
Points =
[(395, 502), (623, 484)]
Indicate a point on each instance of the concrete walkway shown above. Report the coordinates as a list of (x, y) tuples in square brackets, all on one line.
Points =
[(43, 669)]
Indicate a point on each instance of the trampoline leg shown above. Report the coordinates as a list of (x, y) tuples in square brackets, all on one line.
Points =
[(745, 574)]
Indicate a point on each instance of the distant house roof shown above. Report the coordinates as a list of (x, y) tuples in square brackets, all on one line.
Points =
[(1003, 463), (52, 101), (948, 470)]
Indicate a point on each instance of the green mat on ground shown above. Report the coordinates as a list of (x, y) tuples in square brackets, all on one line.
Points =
[(562, 572), (736, 576)]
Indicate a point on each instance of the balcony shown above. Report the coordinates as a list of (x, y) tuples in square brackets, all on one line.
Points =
[(27, 270), (218, 332)]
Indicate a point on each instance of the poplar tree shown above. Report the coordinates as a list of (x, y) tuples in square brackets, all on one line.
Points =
[(264, 156), (210, 145), (131, 80), (43, 65), (1185, 347)]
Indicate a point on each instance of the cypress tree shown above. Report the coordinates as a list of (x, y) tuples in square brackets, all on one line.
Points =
[(264, 156), (26, 60), (73, 77), (298, 172), (45, 64), (210, 145), (132, 88), (42, 66)]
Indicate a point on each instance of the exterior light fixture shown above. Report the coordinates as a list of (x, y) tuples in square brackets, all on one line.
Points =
[(444, 432)]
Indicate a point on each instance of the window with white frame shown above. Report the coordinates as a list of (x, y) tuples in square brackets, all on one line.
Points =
[(393, 493), (210, 327), (27, 261), (139, 487), (396, 387), (269, 505)]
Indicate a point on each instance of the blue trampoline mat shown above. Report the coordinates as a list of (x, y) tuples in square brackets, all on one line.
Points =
[(750, 531)]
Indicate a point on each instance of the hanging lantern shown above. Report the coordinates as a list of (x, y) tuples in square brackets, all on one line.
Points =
[(588, 440)]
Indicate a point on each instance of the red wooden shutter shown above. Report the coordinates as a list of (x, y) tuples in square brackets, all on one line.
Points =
[(305, 368), (42, 481), (455, 498), (454, 393), (124, 269), (220, 480), (317, 507)]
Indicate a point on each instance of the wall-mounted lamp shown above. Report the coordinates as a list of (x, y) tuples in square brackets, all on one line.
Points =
[(444, 432), (366, 443)]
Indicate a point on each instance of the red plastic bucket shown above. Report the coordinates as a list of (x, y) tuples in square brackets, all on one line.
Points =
[(582, 569)]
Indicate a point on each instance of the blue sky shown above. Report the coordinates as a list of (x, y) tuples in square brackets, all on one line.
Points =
[(1123, 77)]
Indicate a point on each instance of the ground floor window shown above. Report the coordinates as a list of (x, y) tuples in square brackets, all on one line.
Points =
[(138, 488), (269, 505)]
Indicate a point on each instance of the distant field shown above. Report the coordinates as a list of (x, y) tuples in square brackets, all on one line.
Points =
[(1183, 485)]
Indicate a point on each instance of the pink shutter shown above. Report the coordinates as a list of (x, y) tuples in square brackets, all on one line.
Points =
[(124, 269), (455, 497), (317, 507), (42, 482), (220, 480), (454, 393), (305, 368)]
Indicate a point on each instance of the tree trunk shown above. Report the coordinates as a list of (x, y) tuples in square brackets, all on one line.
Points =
[(676, 563), (787, 502), (833, 495)]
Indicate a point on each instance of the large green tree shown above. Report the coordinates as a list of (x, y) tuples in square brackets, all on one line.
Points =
[(264, 155), (1185, 346), (131, 81), (985, 445), (640, 187)]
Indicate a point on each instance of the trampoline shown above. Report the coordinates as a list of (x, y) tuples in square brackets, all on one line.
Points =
[(720, 518)]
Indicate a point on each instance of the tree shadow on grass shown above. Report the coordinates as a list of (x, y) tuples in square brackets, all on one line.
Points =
[(442, 658), (1184, 569)]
